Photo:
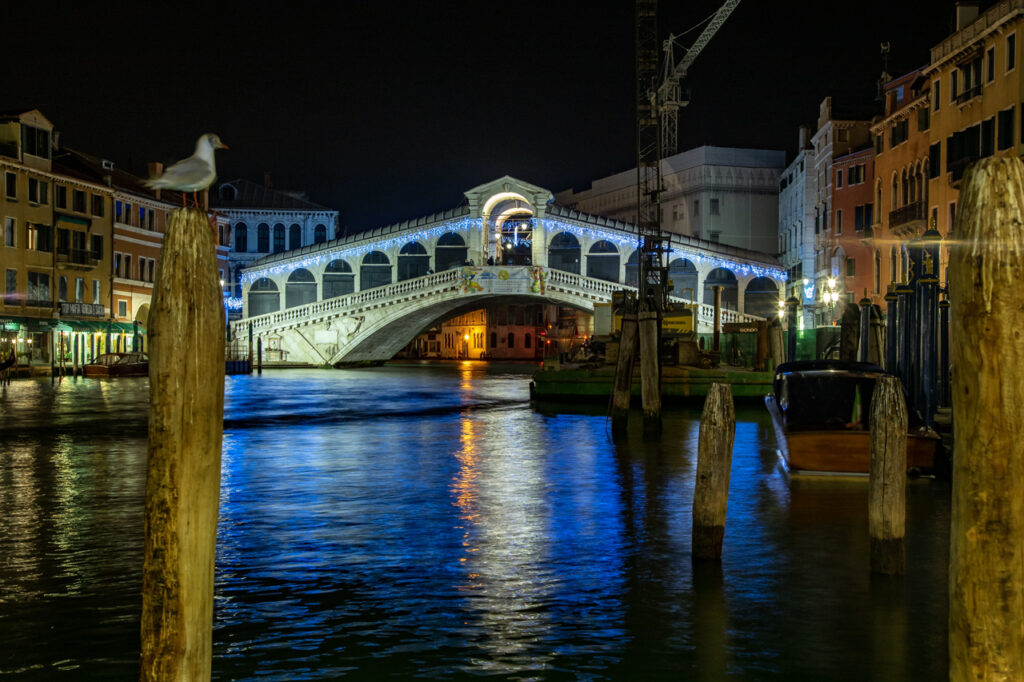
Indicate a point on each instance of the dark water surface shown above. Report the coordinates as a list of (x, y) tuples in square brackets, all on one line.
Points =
[(427, 522)]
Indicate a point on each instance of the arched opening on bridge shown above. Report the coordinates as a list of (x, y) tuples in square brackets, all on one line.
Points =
[(683, 275), (264, 297), (633, 269), (375, 271), (319, 234), (241, 244), (300, 288), (263, 238), (564, 253), (516, 238), (730, 288), (339, 279), (761, 297), (294, 236), (413, 261), (603, 261), (279, 244), (450, 251)]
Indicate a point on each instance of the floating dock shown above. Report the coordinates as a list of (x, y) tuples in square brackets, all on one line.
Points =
[(678, 383)]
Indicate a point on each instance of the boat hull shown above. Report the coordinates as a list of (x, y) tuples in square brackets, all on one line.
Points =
[(842, 451)]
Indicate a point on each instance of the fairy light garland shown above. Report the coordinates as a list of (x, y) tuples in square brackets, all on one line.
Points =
[(465, 226)]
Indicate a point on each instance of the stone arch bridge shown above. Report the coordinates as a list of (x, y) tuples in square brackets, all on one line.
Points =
[(365, 297)]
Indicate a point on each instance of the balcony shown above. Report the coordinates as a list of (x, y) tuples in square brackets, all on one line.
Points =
[(907, 217), (79, 259), (968, 94)]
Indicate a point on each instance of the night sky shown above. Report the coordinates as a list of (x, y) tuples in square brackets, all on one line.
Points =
[(387, 111)]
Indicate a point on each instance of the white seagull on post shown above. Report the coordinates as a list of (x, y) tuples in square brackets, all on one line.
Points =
[(194, 173)]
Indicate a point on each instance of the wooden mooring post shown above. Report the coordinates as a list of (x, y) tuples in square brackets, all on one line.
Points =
[(887, 486), (186, 417), (986, 577), (650, 370), (714, 468), (624, 374)]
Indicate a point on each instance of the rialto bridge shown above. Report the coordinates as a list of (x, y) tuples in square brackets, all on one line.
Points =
[(365, 297)]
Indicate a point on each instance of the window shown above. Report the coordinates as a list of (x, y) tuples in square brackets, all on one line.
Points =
[(38, 191), (39, 237), (63, 240), (898, 133), (96, 292), (38, 288), (9, 227), (11, 185), (851, 267), (1011, 51), (12, 282), (263, 238), (1006, 128), (526, 340), (117, 264), (511, 340), (241, 237), (294, 237), (990, 65), (122, 308), (97, 246), (78, 201), (151, 219), (696, 207), (278, 238), (953, 85), (128, 272), (35, 141), (79, 289), (923, 119), (988, 137), (839, 221), (714, 207), (936, 95), (319, 234), (62, 289), (952, 216), (839, 179)]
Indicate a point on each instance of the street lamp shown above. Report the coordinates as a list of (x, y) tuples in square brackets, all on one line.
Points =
[(831, 296)]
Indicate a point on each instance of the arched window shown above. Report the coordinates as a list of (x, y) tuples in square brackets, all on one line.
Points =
[(263, 238), (761, 297), (526, 340), (263, 297), (279, 238), (319, 234), (294, 237), (494, 340), (603, 261), (564, 253), (339, 279), (375, 270), (300, 288), (450, 251), (511, 340), (413, 261), (241, 238)]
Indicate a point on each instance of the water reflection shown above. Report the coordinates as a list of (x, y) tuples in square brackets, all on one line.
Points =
[(429, 523)]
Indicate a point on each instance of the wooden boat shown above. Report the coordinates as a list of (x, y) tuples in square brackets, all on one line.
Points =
[(118, 365), (820, 411)]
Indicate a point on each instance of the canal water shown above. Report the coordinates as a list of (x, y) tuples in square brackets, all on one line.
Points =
[(428, 522)]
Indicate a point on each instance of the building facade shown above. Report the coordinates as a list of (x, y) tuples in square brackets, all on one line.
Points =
[(796, 226)]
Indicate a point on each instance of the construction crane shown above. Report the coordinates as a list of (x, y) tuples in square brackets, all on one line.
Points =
[(670, 97)]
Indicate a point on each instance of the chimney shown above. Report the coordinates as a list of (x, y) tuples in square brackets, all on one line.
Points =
[(155, 169), (805, 137), (267, 183), (966, 12)]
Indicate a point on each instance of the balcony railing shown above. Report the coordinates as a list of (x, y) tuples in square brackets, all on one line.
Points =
[(82, 257), (907, 214), (969, 94)]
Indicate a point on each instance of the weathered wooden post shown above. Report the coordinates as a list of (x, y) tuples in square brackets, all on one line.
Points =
[(887, 503), (891, 335), (775, 344), (791, 307), (624, 374), (714, 467), (864, 335), (249, 359), (716, 344), (986, 577), (650, 370), (259, 355), (761, 358), (186, 417), (944, 353)]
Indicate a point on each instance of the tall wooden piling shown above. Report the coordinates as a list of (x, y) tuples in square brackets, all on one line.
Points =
[(624, 374), (186, 416), (714, 467), (986, 579), (887, 486), (650, 371)]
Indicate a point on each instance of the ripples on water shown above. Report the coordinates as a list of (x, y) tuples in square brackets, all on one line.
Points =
[(428, 523)]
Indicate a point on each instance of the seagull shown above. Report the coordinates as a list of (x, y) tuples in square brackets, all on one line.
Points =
[(194, 173)]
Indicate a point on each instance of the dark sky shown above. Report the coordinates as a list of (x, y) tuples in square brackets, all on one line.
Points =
[(388, 111)]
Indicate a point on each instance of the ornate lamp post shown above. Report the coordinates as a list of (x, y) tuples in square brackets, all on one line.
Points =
[(831, 296)]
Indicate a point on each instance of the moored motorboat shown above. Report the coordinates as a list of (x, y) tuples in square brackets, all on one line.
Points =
[(118, 365), (820, 410)]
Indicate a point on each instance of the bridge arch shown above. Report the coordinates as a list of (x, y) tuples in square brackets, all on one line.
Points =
[(564, 253), (603, 261), (264, 297), (375, 270), (300, 288), (413, 261), (338, 279), (761, 297), (683, 275), (730, 288)]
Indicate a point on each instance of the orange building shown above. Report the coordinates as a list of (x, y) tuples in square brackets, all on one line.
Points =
[(853, 216)]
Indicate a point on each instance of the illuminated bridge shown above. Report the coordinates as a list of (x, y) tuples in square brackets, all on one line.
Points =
[(365, 297)]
